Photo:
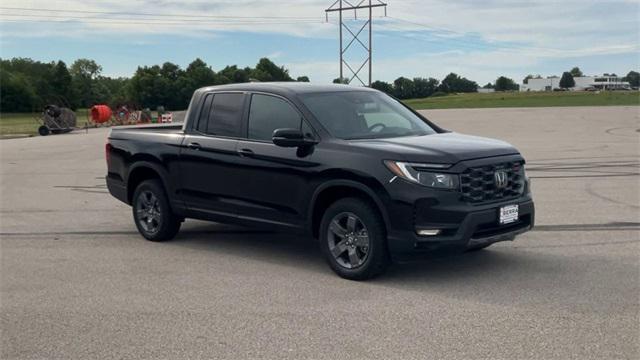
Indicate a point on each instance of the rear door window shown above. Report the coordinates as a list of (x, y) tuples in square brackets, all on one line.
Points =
[(204, 114), (225, 115)]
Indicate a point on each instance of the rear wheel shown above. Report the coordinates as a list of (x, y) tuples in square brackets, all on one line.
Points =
[(152, 214), (353, 239)]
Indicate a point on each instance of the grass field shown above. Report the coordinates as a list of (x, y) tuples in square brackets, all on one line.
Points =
[(527, 99), (25, 124), (12, 123)]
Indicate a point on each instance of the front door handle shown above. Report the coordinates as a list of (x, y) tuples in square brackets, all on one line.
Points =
[(194, 146), (246, 152)]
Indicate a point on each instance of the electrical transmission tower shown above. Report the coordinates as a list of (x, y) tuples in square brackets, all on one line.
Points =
[(348, 5)]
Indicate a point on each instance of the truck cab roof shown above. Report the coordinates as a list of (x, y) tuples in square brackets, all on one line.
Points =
[(284, 88)]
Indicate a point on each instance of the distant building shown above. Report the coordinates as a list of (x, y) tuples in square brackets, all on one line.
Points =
[(605, 82), (485, 90)]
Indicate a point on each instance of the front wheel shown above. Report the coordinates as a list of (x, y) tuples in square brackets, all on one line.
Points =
[(152, 214), (353, 239)]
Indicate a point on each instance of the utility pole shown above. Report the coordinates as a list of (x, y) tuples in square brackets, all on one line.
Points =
[(348, 5)]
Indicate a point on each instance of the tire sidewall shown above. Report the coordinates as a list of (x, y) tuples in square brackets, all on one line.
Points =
[(378, 254), (167, 219)]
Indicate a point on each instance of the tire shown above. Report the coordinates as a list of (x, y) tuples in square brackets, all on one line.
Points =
[(353, 239), (152, 214), (43, 130)]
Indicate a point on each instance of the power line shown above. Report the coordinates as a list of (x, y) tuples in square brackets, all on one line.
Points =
[(110, 22), (132, 18), (157, 14), (159, 20)]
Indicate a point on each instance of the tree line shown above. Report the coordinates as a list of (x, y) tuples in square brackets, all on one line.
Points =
[(28, 85), (405, 88)]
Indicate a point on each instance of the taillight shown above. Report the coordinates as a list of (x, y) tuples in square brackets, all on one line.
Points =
[(107, 153)]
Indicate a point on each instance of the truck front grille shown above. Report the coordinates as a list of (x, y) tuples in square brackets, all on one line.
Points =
[(478, 184)]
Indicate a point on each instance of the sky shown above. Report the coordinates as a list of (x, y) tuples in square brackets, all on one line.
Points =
[(477, 39)]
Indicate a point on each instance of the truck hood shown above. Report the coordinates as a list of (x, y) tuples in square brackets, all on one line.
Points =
[(447, 148)]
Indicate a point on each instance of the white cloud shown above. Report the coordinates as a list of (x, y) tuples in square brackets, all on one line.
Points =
[(488, 37), (537, 23), (275, 55)]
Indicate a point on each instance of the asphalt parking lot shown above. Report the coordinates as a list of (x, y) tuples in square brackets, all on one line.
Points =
[(78, 282)]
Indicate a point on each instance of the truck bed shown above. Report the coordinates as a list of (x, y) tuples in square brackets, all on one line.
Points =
[(164, 129)]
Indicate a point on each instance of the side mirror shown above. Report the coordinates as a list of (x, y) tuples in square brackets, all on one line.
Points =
[(291, 138)]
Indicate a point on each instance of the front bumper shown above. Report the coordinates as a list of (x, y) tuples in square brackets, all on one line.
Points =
[(463, 226), (478, 228)]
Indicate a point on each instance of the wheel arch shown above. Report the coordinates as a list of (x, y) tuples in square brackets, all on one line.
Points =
[(331, 191), (145, 170)]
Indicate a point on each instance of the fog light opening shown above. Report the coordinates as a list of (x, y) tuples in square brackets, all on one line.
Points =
[(428, 232)]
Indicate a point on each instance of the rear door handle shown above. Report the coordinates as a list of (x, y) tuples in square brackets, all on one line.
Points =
[(246, 152), (194, 146)]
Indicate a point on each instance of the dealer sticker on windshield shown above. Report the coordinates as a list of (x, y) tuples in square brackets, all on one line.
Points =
[(508, 214)]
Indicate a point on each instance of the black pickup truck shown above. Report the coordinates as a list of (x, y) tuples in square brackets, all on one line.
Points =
[(370, 178)]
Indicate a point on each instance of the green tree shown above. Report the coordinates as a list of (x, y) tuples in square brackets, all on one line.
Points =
[(403, 88), (147, 87), (343, 80), (171, 71), (200, 75), (302, 79), (61, 82), (505, 84), (566, 81), (85, 68), (424, 87), (633, 77), (382, 86), (173, 81), (101, 92), (235, 75), (266, 70), (111, 91), (83, 73), (489, 86), (16, 93), (453, 83), (27, 84), (576, 72), (37, 76)]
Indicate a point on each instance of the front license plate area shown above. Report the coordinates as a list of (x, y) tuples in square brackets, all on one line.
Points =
[(508, 214)]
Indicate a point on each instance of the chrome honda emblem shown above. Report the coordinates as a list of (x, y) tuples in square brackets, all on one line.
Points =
[(501, 179)]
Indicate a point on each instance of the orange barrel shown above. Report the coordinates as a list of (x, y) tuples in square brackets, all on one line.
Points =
[(100, 114)]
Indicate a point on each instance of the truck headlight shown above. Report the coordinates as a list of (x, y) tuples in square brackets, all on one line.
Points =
[(423, 174)]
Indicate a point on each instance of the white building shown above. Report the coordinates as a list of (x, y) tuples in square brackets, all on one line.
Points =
[(582, 83)]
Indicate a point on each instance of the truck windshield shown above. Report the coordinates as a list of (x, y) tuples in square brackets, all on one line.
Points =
[(364, 115)]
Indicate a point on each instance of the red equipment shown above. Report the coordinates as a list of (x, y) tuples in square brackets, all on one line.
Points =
[(100, 114)]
